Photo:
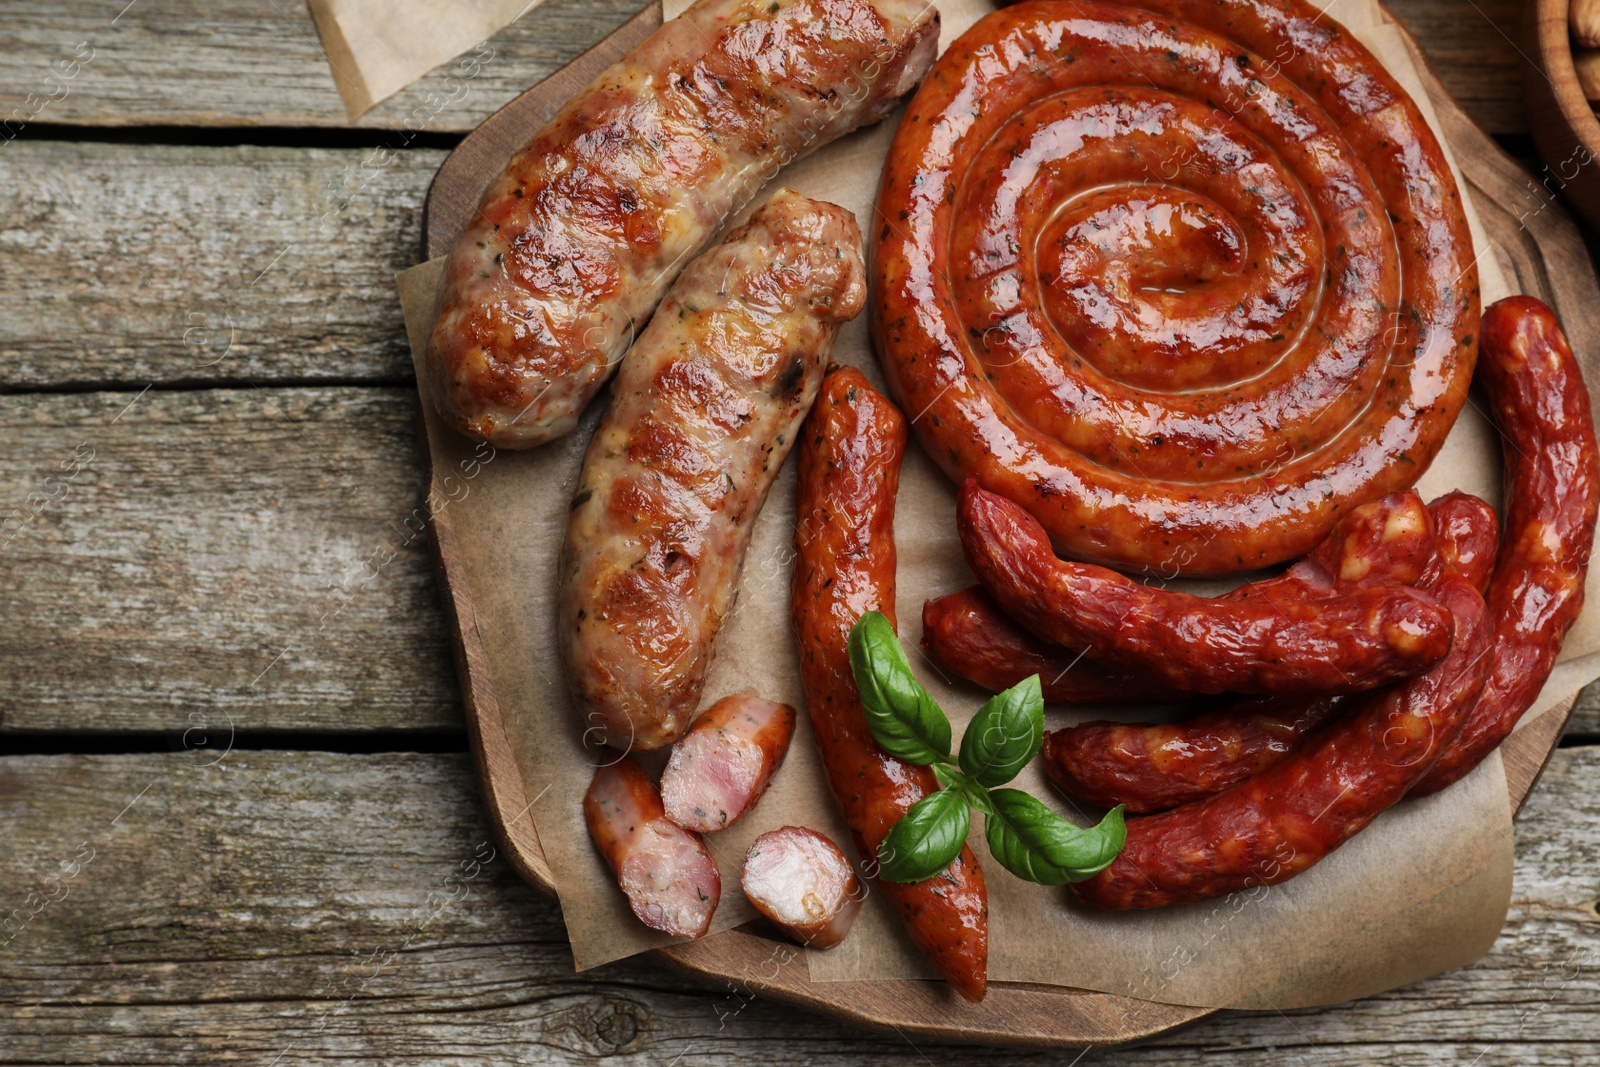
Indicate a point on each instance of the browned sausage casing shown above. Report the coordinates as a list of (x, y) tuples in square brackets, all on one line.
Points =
[(1205, 645), (576, 241), (850, 455), (1388, 541), (1277, 824), (1152, 767), (1552, 484), (1187, 279), (670, 880), (705, 409)]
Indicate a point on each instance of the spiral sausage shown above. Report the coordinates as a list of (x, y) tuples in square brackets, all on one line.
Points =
[(1342, 644), (850, 452), (1552, 490), (1188, 280)]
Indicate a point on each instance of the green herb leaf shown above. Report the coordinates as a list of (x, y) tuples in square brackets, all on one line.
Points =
[(927, 839), (902, 716), (950, 778), (1005, 734), (1034, 843)]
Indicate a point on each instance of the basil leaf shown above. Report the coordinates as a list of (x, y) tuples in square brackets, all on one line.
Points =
[(950, 778), (903, 717), (1034, 843), (1005, 734), (927, 839)]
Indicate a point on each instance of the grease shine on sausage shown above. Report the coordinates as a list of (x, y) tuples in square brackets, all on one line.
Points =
[(803, 885), (1268, 829), (1153, 767), (1186, 279), (850, 455), (702, 415), (669, 878), (576, 241), (1388, 541), (1552, 484), (722, 766), (1204, 645)]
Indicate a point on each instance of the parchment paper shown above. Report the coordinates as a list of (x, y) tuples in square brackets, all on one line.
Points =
[(378, 47), (1424, 889)]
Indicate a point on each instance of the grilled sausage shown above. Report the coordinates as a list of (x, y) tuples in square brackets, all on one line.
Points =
[(802, 884), (1205, 645), (850, 453), (720, 768), (1186, 279), (702, 415), (1388, 541), (1156, 767), (1277, 824), (1552, 485), (669, 878), (576, 241)]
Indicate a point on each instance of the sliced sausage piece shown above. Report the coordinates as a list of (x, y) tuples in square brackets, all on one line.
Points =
[(803, 885), (1206, 645), (668, 876), (850, 454), (1275, 825), (575, 242), (720, 768), (702, 414), (1552, 488)]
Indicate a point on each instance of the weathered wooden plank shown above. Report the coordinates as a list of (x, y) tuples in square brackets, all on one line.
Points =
[(329, 908), (250, 553), (1475, 47), (134, 264), (160, 551), (252, 63), (258, 62)]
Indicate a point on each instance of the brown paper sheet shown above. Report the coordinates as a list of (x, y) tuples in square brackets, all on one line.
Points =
[(375, 48), (1424, 889)]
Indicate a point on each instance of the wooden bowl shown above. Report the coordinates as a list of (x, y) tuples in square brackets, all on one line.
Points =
[(1563, 125)]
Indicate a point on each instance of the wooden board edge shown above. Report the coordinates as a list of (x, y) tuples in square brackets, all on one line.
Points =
[(459, 182), (1014, 1013)]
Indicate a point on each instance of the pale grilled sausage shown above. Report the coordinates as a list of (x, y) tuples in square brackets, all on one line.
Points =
[(576, 241), (803, 885), (705, 409)]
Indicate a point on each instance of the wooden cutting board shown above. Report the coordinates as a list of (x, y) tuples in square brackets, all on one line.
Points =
[(1539, 249)]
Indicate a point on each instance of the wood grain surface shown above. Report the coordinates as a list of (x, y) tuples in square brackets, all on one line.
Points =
[(274, 907), (278, 904)]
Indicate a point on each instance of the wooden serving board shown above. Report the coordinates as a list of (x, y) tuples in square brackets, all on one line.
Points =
[(1541, 253)]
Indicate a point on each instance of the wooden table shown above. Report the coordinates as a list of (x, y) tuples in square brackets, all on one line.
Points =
[(237, 820)]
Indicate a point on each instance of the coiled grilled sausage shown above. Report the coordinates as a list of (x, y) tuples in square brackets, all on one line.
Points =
[(1186, 279), (701, 417), (850, 455), (576, 241)]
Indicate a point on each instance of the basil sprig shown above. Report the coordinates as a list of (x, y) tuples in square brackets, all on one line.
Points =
[(1027, 838)]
